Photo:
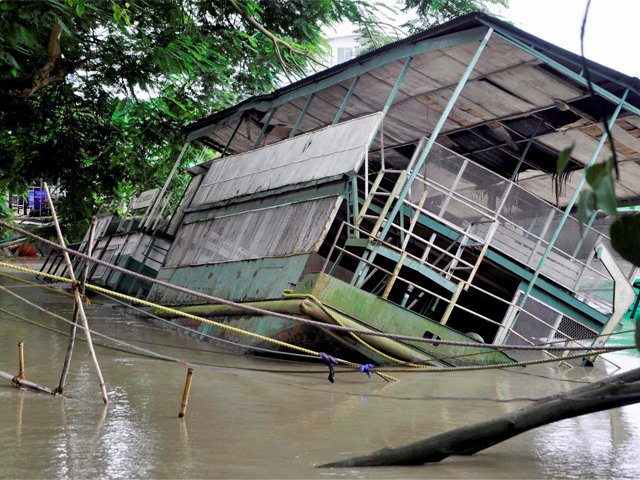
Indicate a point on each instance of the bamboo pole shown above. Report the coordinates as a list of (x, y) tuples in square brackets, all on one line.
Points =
[(185, 394), (76, 311), (20, 361), (79, 305), (18, 382)]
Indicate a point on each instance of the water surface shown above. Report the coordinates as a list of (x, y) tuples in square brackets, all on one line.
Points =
[(247, 427)]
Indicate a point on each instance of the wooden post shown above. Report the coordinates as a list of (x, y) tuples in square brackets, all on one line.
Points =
[(76, 311), (78, 297), (185, 395), (20, 361)]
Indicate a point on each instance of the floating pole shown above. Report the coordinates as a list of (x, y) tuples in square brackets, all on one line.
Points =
[(185, 395), (76, 312), (20, 361), (18, 382), (78, 297)]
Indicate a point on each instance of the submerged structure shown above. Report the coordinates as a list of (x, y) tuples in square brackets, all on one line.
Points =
[(410, 190)]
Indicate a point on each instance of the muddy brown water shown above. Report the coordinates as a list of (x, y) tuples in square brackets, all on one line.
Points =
[(248, 427)]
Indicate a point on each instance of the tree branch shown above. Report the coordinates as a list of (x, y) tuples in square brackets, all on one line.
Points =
[(277, 42), (55, 70), (613, 392)]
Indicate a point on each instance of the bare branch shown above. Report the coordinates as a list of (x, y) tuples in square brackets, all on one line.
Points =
[(277, 42)]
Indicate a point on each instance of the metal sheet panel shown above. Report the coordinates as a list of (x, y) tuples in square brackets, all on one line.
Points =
[(334, 150), (288, 229)]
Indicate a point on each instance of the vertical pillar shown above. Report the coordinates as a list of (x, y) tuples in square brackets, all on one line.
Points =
[(171, 174), (432, 139)]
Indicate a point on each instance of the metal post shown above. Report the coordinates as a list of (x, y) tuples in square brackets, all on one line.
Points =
[(346, 100), (226, 147), (164, 206), (301, 116), (432, 139), (436, 130), (586, 231), (173, 171), (526, 150), (567, 210), (485, 247), (264, 128)]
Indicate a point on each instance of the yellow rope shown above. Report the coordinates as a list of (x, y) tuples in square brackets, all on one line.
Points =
[(295, 347), (66, 294), (290, 293), (183, 314)]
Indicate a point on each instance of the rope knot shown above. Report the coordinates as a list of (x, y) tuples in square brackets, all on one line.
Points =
[(329, 361), (366, 369)]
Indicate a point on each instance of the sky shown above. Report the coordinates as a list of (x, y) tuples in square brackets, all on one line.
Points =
[(612, 36)]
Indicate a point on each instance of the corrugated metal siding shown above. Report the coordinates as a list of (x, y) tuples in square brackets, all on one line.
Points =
[(285, 230), (334, 150)]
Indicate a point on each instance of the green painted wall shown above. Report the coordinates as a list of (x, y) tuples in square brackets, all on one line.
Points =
[(243, 280)]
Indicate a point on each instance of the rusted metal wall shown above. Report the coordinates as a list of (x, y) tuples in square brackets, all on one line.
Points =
[(334, 150), (269, 232)]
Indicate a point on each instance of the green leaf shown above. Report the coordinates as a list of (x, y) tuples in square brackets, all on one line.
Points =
[(80, 9), (625, 238), (563, 159), (600, 177), (586, 205)]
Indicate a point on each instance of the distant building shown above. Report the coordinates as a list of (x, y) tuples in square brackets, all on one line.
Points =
[(343, 48)]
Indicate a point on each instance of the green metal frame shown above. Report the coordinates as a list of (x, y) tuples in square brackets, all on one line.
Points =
[(569, 206), (301, 116), (346, 100), (586, 230), (388, 56), (362, 268), (235, 130), (264, 127), (526, 150)]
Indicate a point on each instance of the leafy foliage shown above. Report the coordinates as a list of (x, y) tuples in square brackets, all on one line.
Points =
[(94, 93), (434, 12)]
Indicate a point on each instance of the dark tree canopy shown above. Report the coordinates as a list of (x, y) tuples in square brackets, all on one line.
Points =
[(94, 92)]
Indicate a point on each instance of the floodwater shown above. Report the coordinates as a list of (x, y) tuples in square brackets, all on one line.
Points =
[(255, 425)]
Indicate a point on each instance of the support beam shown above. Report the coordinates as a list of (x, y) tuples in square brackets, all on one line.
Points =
[(301, 116), (233, 135), (168, 181), (526, 150), (346, 100), (436, 130), (264, 127), (567, 210), (586, 231)]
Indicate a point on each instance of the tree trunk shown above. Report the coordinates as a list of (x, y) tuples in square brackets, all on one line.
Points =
[(616, 391)]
